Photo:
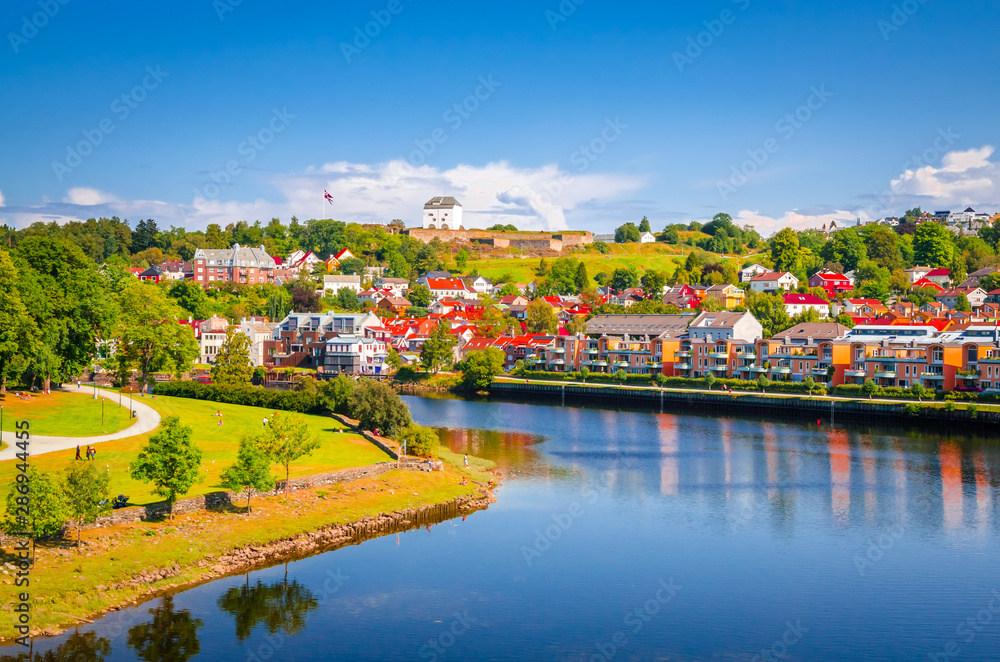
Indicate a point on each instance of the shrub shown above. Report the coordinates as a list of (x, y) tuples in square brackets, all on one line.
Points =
[(973, 411), (251, 396), (913, 409), (950, 405), (419, 440)]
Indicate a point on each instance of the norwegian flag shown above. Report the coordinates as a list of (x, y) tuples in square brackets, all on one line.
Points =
[(329, 198)]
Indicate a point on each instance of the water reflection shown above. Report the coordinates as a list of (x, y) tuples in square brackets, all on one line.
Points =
[(281, 606), (171, 636), (78, 647)]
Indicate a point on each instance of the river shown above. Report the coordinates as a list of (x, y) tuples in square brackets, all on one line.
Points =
[(634, 536)]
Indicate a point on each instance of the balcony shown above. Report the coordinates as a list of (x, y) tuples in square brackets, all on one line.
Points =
[(885, 374), (682, 366), (687, 355), (855, 373), (600, 364), (719, 355), (591, 351), (818, 371), (758, 369), (990, 359), (970, 377), (622, 364), (558, 350), (932, 376), (655, 366), (749, 356), (557, 362), (781, 371), (718, 368)]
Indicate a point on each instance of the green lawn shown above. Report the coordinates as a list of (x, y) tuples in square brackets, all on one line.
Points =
[(218, 444), (659, 257), (65, 414)]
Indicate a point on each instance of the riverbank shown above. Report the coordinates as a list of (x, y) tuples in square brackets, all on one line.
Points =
[(972, 417), (126, 564)]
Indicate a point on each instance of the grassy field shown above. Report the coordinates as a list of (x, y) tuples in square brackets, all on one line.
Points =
[(658, 256), (218, 443), (64, 414), (63, 583)]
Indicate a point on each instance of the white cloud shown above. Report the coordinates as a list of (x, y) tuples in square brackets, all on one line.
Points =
[(87, 197), (794, 219), (530, 198), (964, 178)]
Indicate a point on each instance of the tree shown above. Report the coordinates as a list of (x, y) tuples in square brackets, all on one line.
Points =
[(250, 474), (763, 383), (36, 506), (148, 332), (962, 304), (621, 375), (286, 438), (810, 385), (491, 323), (845, 247), (393, 360), (870, 388), (710, 380), (644, 225), (233, 366), (378, 406), (624, 278), (419, 440), (577, 324), (541, 318), (352, 266), (462, 258), (192, 298), (170, 461), (347, 299), (87, 492), (882, 245), (920, 391), (438, 350), (582, 280), (653, 283), (282, 606), (419, 295), (932, 245), (170, 637), (480, 367), (627, 233), (18, 332), (770, 311), (335, 394), (305, 299), (584, 373), (785, 250), (845, 320)]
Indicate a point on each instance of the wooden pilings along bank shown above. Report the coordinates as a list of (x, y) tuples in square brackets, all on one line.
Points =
[(748, 405)]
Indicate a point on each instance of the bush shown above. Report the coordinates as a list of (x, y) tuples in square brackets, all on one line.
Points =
[(950, 405), (973, 411), (377, 406), (419, 440), (913, 409), (251, 396)]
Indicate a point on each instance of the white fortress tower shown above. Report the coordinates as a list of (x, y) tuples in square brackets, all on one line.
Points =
[(443, 214)]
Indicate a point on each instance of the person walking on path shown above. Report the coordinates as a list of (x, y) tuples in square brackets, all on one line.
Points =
[(78, 452), (466, 459)]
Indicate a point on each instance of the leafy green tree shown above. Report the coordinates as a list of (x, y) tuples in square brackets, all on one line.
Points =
[(480, 367), (920, 391), (148, 332), (171, 636), (233, 366), (335, 394), (419, 295), (285, 439), (18, 332), (644, 225), (770, 311), (581, 280), (763, 383), (541, 318), (191, 297), (462, 258), (882, 245), (962, 304), (932, 245), (347, 299), (584, 373), (438, 350), (785, 252), (845, 247), (250, 474), (810, 385), (870, 388), (170, 461), (627, 233), (653, 283), (36, 506), (624, 278), (378, 406), (845, 320), (419, 440), (710, 380), (621, 376), (671, 235), (393, 360), (88, 495)]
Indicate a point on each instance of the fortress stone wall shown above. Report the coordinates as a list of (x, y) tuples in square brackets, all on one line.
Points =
[(536, 241)]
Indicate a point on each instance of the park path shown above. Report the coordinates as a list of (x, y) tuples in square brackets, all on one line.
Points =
[(147, 420)]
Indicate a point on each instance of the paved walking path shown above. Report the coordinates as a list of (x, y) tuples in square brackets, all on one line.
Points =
[(147, 419)]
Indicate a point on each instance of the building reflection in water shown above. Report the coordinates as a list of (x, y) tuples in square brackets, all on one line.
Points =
[(840, 475), (669, 450)]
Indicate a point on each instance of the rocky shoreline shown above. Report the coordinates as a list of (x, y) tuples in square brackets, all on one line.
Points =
[(324, 539)]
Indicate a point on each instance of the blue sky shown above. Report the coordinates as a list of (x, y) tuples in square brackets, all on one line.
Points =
[(569, 115)]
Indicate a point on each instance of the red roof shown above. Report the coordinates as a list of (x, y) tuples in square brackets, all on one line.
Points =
[(771, 275), (939, 272), (340, 254), (829, 275), (923, 282), (445, 284)]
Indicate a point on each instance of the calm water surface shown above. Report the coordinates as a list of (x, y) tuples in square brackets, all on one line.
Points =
[(633, 536)]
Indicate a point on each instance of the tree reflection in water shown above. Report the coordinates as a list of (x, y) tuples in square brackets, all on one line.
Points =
[(282, 606), (78, 647), (170, 637)]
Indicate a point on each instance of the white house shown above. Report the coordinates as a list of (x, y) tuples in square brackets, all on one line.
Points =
[(796, 304), (480, 284), (751, 271), (399, 286), (447, 287), (334, 284), (259, 333), (298, 259), (443, 213), (647, 238), (212, 334), (774, 281)]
